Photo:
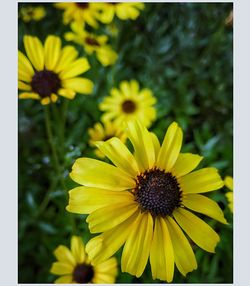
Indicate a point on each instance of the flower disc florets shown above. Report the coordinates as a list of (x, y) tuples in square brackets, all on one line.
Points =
[(83, 273), (158, 192)]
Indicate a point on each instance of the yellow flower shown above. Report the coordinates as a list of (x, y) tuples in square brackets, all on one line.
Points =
[(74, 266), (81, 12), (103, 132), (91, 43), (128, 104), (49, 70), (123, 11), (29, 13), (143, 201), (229, 184)]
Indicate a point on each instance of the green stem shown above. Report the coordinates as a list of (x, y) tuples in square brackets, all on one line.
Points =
[(53, 147)]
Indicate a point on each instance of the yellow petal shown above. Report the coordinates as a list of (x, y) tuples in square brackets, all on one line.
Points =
[(52, 50), (230, 199), (183, 253), (53, 97), (143, 145), (68, 55), (185, 163), (105, 245), (101, 278), (64, 279), (199, 231), (108, 267), (84, 200), (136, 249), (229, 182), (80, 85), (45, 101), (77, 249), (201, 181), (119, 154), (204, 205), (77, 67), (64, 255), (170, 148), (156, 143), (23, 86), (68, 93), (35, 52), (94, 173), (110, 216), (161, 252), (60, 268), (25, 69), (26, 95)]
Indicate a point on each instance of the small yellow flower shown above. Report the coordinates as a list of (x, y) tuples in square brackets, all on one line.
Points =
[(128, 104), (103, 132), (81, 12), (92, 44), (142, 202), (124, 11), (229, 184), (29, 13), (74, 266), (49, 70)]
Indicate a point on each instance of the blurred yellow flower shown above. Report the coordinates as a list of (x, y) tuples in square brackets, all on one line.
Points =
[(49, 70), (92, 44), (124, 11), (103, 132), (81, 12), (30, 13), (74, 266), (128, 104), (142, 202), (229, 184)]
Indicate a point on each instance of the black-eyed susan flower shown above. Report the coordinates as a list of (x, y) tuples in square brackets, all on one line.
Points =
[(74, 266), (229, 184), (49, 70), (143, 202), (81, 12), (92, 44), (128, 104), (124, 11), (35, 13), (104, 131)]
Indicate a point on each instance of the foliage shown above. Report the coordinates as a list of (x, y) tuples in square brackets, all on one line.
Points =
[(183, 53)]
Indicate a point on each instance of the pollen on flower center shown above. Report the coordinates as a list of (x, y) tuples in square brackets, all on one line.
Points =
[(45, 83), (91, 41), (82, 5), (157, 192), (128, 106), (83, 273)]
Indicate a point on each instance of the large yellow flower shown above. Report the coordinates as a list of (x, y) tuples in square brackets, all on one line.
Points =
[(103, 132), (74, 266), (143, 201), (229, 184), (124, 11), (128, 104), (81, 12), (92, 44), (29, 13), (49, 70)]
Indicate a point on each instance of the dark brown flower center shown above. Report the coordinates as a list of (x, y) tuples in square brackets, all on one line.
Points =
[(83, 273), (45, 83), (82, 5), (91, 41), (158, 192), (128, 106)]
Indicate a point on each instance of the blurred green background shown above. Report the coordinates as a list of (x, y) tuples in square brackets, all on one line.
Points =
[(184, 54)]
